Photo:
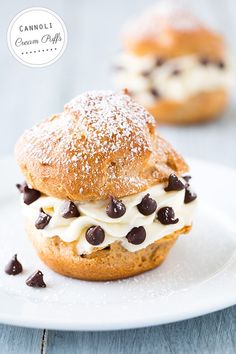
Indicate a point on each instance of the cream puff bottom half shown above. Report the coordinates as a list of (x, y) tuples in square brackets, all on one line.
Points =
[(111, 263)]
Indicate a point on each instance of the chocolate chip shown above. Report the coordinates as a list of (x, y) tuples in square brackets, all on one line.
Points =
[(14, 267), (36, 280), (30, 195), (166, 216), (204, 61), (145, 73), (147, 205), (176, 72), (137, 235), (174, 183), (95, 235), (155, 93), (69, 210), (115, 208), (220, 64), (43, 220), (190, 196), (186, 178), (21, 186), (159, 62)]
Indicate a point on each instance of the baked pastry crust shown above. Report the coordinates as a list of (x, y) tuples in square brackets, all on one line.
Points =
[(107, 264), (203, 107), (171, 34), (102, 144)]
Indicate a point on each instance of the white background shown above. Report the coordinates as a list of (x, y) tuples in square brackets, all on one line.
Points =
[(29, 94)]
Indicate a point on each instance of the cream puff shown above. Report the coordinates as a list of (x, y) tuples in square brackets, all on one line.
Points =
[(105, 196), (174, 65)]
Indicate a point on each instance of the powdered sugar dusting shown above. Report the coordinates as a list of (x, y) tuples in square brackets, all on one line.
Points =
[(165, 14), (97, 131)]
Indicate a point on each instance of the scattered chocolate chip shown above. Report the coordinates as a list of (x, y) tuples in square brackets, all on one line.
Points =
[(137, 235), (220, 64), (147, 205), (166, 216), (21, 186), (69, 210), (174, 183), (14, 267), (190, 196), (204, 61), (145, 73), (176, 72), (36, 280), (115, 208), (155, 93), (95, 235), (159, 62), (43, 220), (30, 195), (186, 178)]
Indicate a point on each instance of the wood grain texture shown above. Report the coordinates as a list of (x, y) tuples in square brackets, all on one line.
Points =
[(20, 340), (213, 333)]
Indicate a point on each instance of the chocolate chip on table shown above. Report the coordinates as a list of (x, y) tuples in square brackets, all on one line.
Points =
[(220, 64), (21, 186), (147, 205), (69, 210), (95, 235), (137, 235), (159, 62), (155, 93), (115, 208), (204, 61), (186, 178), (166, 216), (43, 220), (174, 183), (30, 195), (35, 280), (176, 72), (190, 196), (14, 267)]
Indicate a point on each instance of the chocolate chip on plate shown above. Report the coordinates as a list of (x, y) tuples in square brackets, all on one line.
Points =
[(115, 208), (137, 235), (30, 195), (204, 61), (174, 183), (69, 210), (21, 186), (35, 280), (43, 220), (95, 235), (14, 267), (190, 196), (166, 216), (145, 73), (186, 178), (147, 205), (176, 72), (159, 61), (155, 93)]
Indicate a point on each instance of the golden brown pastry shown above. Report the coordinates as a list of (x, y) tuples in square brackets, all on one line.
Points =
[(105, 197), (174, 65)]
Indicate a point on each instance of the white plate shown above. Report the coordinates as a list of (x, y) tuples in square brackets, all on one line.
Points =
[(199, 275)]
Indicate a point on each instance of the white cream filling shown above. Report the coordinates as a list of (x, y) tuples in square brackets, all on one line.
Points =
[(194, 77), (94, 213)]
